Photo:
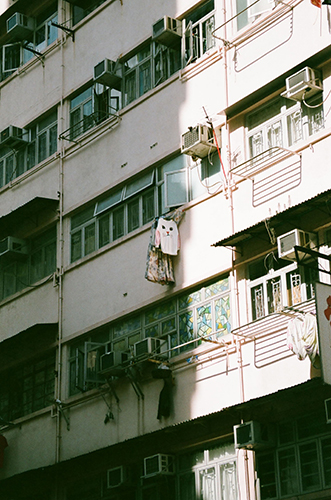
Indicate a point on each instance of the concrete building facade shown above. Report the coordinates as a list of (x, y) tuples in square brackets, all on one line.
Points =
[(165, 233)]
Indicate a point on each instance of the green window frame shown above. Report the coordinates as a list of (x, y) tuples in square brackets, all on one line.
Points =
[(181, 322)]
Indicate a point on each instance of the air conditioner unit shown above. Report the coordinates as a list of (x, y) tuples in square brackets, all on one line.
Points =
[(303, 84), (20, 26), (13, 136), (199, 141), (117, 476), (286, 242), (149, 347), (159, 464), (13, 247), (113, 361), (167, 31), (108, 73), (253, 435)]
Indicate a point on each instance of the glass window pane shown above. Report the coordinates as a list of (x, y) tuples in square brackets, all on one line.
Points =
[(133, 214), (2, 168), (288, 472), (108, 202), (53, 139), (118, 223), (207, 480), (145, 77), (326, 460), (309, 467), (176, 188), (139, 184), (228, 481), (42, 146), (267, 476), (76, 246), (10, 173), (89, 239), (148, 206), (130, 87), (104, 231), (11, 57), (52, 30)]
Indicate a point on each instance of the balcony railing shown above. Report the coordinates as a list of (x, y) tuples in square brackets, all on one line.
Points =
[(262, 161), (270, 333), (87, 123)]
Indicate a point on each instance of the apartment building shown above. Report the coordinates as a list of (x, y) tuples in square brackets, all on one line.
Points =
[(165, 242)]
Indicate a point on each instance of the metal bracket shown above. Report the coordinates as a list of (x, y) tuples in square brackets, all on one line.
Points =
[(112, 390), (135, 384), (40, 56), (69, 31)]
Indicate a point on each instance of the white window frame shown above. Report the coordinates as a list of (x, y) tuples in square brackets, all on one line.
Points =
[(263, 281), (266, 132)]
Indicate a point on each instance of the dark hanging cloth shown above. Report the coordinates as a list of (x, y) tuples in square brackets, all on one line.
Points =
[(165, 399)]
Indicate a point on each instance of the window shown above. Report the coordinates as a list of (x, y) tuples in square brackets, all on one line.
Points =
[(15, 275), (198, 32), (301, 462), (249, 10), (276, 283), (208, 474), (41, 142), (27, 388), (150, 66), (79, 12), (283, 123), (91, 107), (14, 55), (175, 182), (204, 312)]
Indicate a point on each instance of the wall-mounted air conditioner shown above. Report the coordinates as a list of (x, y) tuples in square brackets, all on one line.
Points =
[(199, 141), (303, 84), (13, 136), (113, 360), (20, 26), (13, 247), (117, 476), (253, 435), (150, 347), (108, 73), (159, 464), (167, 31), (286, 242)]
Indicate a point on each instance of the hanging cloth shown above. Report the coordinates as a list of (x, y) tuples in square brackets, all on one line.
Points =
[(159, 265), (310, 337), (294, 337)]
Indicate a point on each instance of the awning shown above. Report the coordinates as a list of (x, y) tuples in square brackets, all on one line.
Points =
[(284, 404), (33, 210), (27, 343), (307, 215)]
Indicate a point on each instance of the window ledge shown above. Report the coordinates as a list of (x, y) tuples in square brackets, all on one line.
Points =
[(29, 172), (193, 69)]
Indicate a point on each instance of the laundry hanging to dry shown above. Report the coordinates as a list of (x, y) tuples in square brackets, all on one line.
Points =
[(164, 243)]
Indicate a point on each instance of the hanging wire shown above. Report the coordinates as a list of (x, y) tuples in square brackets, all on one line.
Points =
[(315, 105)]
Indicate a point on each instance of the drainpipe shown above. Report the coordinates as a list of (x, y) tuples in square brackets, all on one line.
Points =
[(60, 252)]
